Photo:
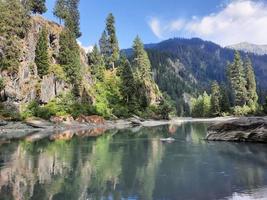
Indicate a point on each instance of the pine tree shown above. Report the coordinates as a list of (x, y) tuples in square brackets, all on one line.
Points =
[(14, 23), (215, 99), (237, 81), (41, 53), (37, 6), (265, 105), (96, 62), (141, 63), (69, 58), (128, 88), (104, 46), (61, 9), (113, 45), (251, 87), (224, 102), (72, 20)]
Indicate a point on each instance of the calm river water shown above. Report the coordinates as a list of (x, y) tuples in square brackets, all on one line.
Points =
[(134, 164)]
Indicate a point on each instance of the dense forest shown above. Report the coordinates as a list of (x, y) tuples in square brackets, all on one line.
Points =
[(39, 58), (186, 68)]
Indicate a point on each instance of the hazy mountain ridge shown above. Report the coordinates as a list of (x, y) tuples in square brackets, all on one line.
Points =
[(249, 48)]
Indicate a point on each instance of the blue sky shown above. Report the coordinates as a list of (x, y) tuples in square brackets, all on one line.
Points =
[(156, 20)]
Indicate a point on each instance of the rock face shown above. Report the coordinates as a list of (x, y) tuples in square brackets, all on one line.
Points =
[(246, 129), (25, 85), (51, 87)]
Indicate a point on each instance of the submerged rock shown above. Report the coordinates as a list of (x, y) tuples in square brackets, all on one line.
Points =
[(245, 129), (38, 123)]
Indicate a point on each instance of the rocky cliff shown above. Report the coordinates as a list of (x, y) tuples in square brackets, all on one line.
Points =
[(25, 85)]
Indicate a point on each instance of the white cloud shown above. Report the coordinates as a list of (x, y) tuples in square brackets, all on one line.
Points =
[(162, 29), (87, 49), (238, 21), (154, 24)]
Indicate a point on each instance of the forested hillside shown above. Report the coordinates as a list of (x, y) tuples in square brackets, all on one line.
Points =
[(184, 66)]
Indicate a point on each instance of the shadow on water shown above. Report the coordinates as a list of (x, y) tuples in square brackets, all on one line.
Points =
[(132, 164)]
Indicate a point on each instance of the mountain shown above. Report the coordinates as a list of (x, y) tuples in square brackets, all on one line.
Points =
[(250, 48), (188, 66)]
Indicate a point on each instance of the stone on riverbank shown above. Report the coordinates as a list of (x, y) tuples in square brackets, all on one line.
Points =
[(245, 129)]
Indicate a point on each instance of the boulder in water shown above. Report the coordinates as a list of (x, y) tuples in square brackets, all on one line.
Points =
[(244, 129)]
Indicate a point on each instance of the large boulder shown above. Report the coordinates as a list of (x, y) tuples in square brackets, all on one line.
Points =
[(245, 129)]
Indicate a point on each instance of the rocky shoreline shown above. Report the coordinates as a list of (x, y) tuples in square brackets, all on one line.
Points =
[(36, 128), (244, 129)]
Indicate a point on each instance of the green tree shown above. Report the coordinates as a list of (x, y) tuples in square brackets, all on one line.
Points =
[(206, 105), (128, 88), (72, 19), (104, 46), (265, 106), (69, 58), (96, 62), (141, 63), (224, 102), (166, 106), (41, 53), (252, 96), (237, 80), (215, 99), (61, 10), (13, 27), (113, 45), (201, 107), (37, 6)]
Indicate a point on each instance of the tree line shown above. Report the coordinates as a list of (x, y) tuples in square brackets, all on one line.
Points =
[(238, 97)]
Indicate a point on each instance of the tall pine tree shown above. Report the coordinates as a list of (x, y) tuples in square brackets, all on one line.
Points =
[(141, 63), (215, 99), (41, 53), (96, 62), (14, 23), (61, 9), (224, 102), (128, 88), (104, 45), (72, 20), (68, 11), (237, 80), (69, 58), (113, 45), (252, 96)]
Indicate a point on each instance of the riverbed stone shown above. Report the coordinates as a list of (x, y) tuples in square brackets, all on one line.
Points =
[(244, 129)]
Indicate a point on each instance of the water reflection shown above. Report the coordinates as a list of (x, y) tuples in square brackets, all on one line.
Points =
[(132, 164)]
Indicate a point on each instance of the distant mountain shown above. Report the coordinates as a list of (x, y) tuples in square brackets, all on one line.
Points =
[(250, 48), (187, 66)]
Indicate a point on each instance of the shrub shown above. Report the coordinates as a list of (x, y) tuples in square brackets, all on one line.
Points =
[(241, 110), (58, 71), (60, 106)]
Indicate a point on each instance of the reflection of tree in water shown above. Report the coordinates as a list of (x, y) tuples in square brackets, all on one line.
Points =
[(79, 168), (130, 164)]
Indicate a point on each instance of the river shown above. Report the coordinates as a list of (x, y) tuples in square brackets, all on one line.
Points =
[(134, 164)]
